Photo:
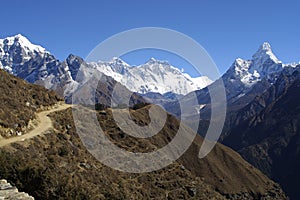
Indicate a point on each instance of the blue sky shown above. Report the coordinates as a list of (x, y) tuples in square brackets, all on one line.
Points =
[(226, 29)]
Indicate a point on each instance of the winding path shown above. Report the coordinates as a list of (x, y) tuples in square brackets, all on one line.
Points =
[(44, 123)]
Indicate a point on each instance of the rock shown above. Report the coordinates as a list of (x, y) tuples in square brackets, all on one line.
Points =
[(7, 191), (4, 185), (85, 165), (102, 112), (192, 191)]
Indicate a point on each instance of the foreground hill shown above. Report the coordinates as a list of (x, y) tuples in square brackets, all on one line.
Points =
[(18, 103), (58, 166)]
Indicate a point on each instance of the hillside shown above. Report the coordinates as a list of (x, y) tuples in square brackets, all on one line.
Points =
[(58, 166), (268, 137), (19, 101)]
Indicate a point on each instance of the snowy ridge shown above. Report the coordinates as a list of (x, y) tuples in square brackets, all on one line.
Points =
[(294, 64), (23, 42), (17, 50), (263, 63), (265, 52), (36, 65), (153, 76)]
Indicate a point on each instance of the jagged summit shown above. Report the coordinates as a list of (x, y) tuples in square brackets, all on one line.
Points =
[(119, 61), (20, 40), (31, 62), (266, 46), (264, 53), (262, 64), (152, 61), (20, 57), (152, 76)]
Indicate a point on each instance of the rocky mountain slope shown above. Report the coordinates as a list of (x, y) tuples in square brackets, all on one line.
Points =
[(18, 103), (267, 131), (36, 65), (243, 81), (261, 121), (57, 165)]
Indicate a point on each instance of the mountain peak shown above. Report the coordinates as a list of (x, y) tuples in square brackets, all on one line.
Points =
[(152, 60), (262, 64), (264, 53), (21, 40), (21, 37), (155, 61), (118, 61), (71, 58), (266, 46)]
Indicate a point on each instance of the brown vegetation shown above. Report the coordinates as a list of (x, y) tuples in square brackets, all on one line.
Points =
[(57, 166), (19, 101)]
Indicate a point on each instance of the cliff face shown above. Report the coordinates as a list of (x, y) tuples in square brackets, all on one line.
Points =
[(269, 137)]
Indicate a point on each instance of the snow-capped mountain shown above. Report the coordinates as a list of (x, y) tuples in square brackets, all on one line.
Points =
[(244, 74), (17, 50), (19, 42), (153, 76), (30, 62), (36, 65), (262, 64), (243, 81)]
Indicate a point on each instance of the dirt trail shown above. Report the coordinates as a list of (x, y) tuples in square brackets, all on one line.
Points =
[(44, 123)]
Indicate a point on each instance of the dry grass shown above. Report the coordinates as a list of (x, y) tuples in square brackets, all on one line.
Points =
[(19, 101), (57, 166)]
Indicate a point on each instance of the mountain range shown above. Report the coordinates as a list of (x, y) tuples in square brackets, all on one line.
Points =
[(266, 131), (262, 100), (57, 165), (262, 121), (36, 65)]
